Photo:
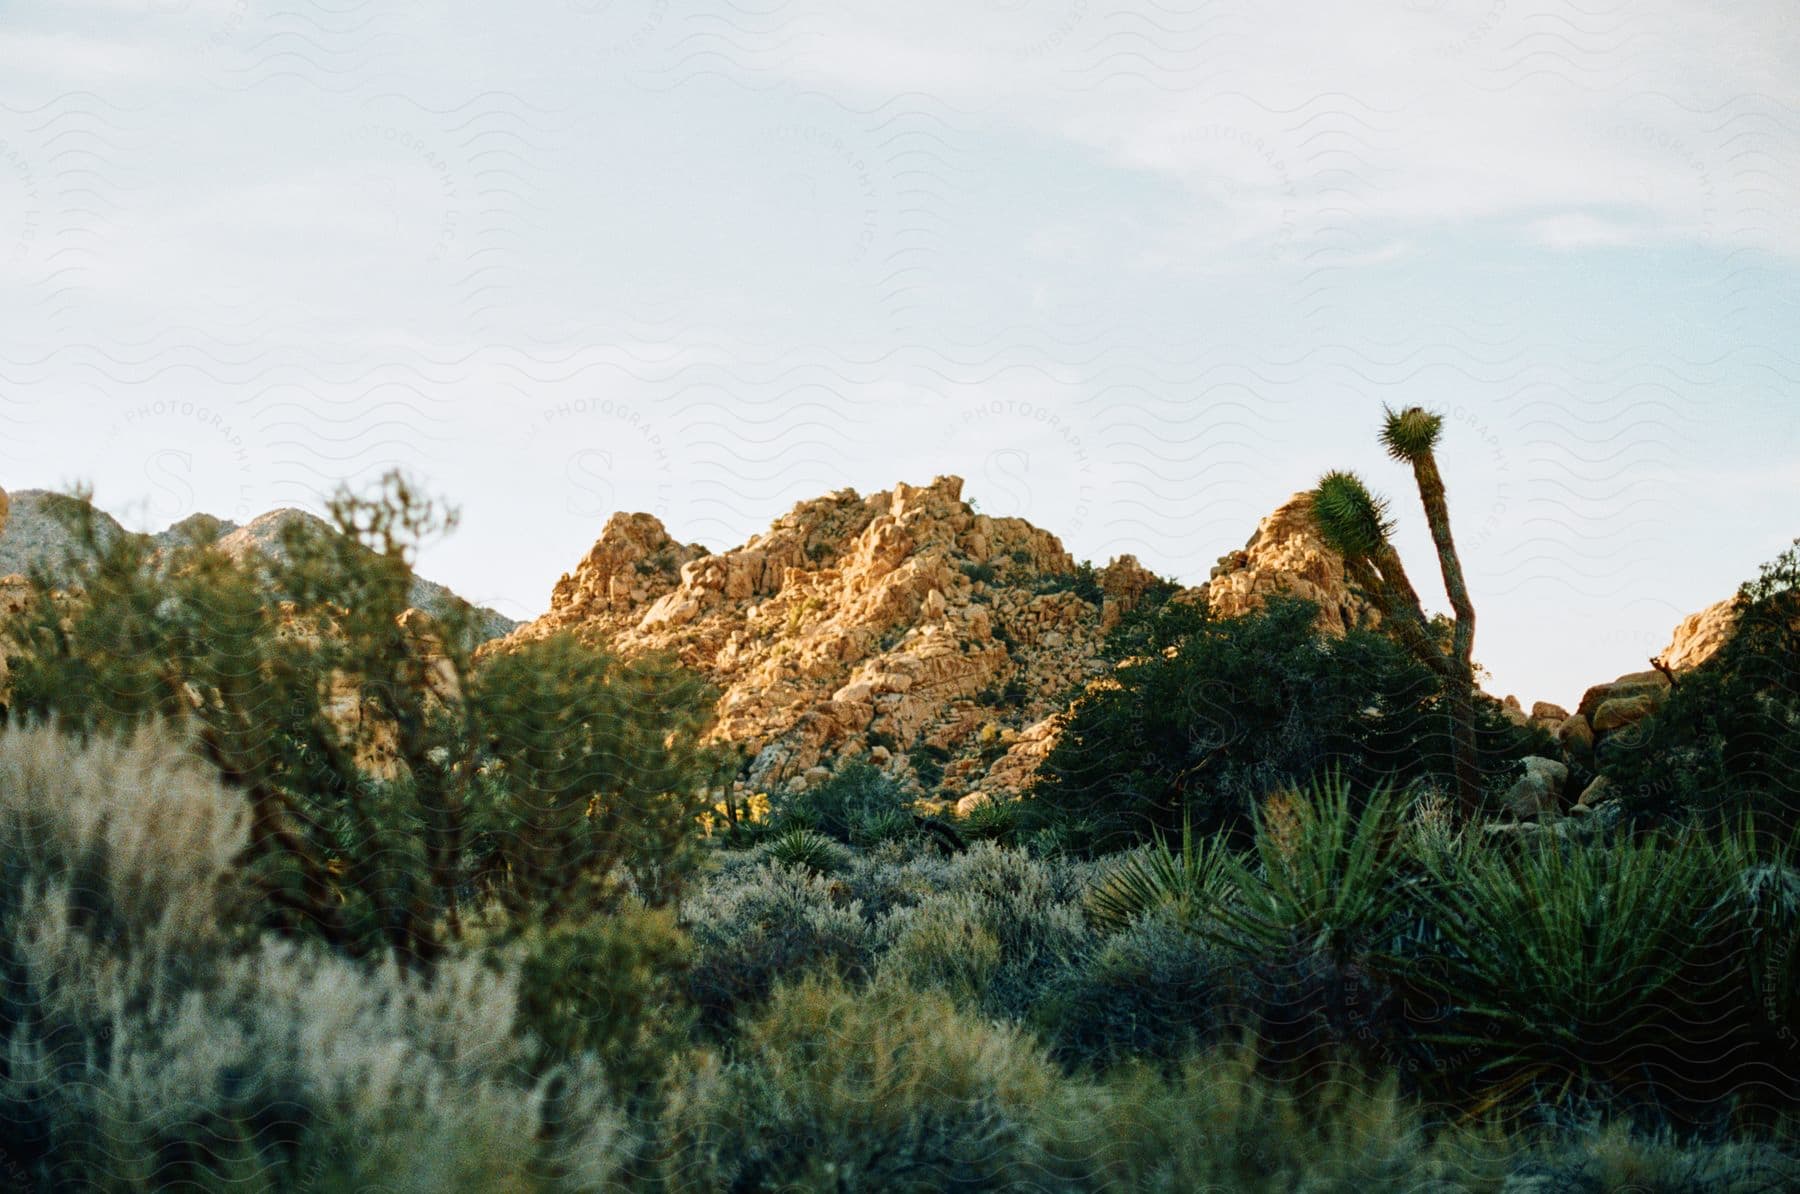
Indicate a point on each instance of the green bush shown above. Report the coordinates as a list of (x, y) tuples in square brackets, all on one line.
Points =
[(1030, 908), (1153, 991), (1190, 884), (1325, 874), (597, 766), (993, 820), (388, 778), (928, 764), (882, 1089), (843, 806), (154, 1042), (1727, 742), (1084, 582), (610, 987), (766, 923), (1234, 709)]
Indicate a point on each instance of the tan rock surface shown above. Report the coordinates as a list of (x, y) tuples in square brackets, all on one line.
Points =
[(903, 621), (1287, 555), (1700, 636)]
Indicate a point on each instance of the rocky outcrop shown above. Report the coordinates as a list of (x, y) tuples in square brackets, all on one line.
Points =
[(904, 627), (37, 536), (1287, 555), (1700, 636)]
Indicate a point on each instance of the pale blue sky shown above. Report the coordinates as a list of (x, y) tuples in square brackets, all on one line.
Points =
[(1137, 272)]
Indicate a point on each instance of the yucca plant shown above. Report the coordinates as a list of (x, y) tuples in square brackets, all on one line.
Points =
[(1755, 957), (1192, 883), (806, 848), (1571, 970), (992, 820), (1356, 524), (1324, 873)]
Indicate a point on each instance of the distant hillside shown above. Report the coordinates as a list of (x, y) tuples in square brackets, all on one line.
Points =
[(32, 535)]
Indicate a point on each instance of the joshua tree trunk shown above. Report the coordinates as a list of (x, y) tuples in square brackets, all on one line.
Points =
[(1460, 682)]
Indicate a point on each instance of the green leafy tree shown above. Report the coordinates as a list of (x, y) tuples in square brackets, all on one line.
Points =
[(1356, 524), (390, 778), (1203, 724)]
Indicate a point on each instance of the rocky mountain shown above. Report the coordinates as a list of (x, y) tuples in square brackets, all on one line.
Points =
[(1287, 555), (911, 630), (904, 627), (33, 535)]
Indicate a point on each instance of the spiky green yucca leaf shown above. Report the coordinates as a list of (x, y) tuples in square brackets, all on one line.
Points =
[(1570, 965), (1411, 434), (1324, 876), (1192, 883), (1353, 521), (806, 848)]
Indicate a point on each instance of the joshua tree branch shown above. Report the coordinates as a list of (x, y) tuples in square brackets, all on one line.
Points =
[(1437, 515)]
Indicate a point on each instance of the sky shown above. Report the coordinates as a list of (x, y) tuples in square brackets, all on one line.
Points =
[(1136, 272)]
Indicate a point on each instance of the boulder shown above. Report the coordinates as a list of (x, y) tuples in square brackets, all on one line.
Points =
[(971, 802), (1538, 791), (1601, 789), (1514, 712), (874, 626), (1620, 712), (1545, 711), (1651, 684), (1576, 737), (1699, 637)]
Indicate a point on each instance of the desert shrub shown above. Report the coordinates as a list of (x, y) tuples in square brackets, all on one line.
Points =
[(1325, 872), (979, 573), (857, 796), (928, 765), (1084, 582), (882, 1089), (1753, 958), (1153, 626), (1307, 914), (1152, 991), (1031, 908), (1235, 709), (1215, 1124), (610, 987), (151, 1043), (944, 945), (360, 734), (1727, 742), (767, 922), (599, 766)]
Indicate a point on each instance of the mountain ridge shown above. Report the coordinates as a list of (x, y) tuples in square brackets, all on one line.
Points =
[(32, 535)]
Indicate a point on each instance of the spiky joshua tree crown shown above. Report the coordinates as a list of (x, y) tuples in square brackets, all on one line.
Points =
[(1411, 434), (1350, 518)]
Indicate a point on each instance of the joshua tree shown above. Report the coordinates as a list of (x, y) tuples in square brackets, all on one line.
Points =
[(1355, 523)]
